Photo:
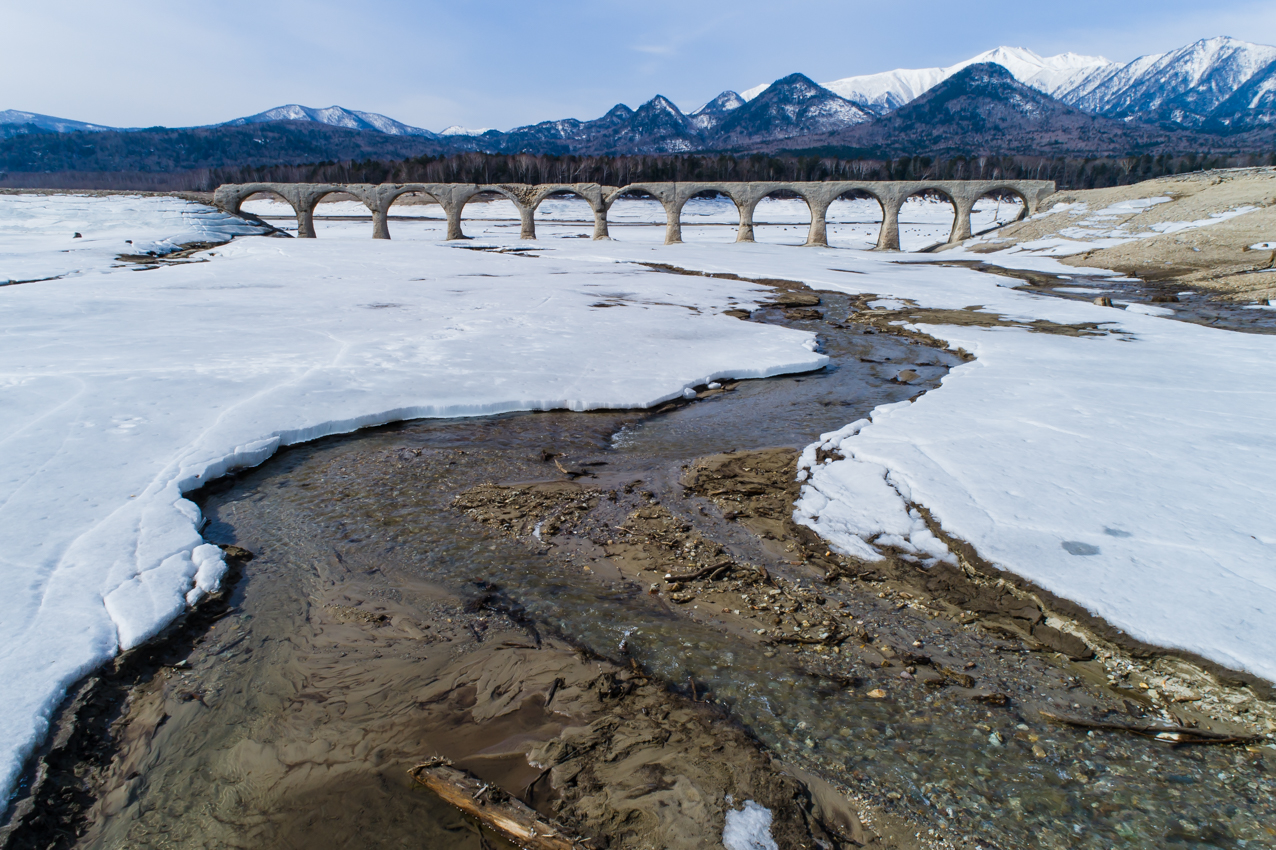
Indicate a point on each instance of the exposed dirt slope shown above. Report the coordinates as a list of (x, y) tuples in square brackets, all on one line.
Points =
[(1217, 257)]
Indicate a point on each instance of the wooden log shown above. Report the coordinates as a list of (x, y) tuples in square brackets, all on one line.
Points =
[(492, 807), (1159, 731)]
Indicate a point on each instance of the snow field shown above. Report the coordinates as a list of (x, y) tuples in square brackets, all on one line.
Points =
[(39, 238), (122, 391)]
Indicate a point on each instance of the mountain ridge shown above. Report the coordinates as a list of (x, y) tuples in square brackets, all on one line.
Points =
[(1213, 95), (983, 109)]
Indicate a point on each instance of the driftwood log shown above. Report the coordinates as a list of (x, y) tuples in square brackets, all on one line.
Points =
[(1159, 731), (493, 808)]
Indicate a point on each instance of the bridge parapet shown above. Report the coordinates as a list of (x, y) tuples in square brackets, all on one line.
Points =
[(452, 197)]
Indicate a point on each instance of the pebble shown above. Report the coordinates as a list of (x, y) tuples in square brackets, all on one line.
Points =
[(994, 739), (877, 693), (1038, 751)]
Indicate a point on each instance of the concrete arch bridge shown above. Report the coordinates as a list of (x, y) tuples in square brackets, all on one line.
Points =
[(452, 197)]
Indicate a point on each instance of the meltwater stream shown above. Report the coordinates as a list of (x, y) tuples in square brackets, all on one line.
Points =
[(377, 504)]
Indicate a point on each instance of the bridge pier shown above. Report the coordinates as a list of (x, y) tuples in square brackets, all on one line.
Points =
[(381, 224), (818, 237), (527, 221), (888, 236), (600, 224), (961, 223), (745, 231), (306, 222)]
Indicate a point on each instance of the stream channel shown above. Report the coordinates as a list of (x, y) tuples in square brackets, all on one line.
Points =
[(291, 719)]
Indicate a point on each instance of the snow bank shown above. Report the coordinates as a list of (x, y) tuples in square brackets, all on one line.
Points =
[(122, 391)]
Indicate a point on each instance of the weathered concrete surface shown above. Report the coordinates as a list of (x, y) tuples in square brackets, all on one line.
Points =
[(891, 195)]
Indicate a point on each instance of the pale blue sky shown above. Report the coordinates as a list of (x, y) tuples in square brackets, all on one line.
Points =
[(504, 63)]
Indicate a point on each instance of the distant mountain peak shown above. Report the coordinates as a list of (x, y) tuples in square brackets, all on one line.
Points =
[(458, 130), (724, 102), (709, 116), (880, 93), (14, 119), (985, 109), (1199, 85), (333, 116), (791, 106)]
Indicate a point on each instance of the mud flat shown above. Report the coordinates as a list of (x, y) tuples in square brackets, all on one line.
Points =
[(613, 617)]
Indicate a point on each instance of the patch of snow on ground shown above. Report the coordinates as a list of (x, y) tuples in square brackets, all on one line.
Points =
[(749, 828), (1096, 233), (1131, 207)]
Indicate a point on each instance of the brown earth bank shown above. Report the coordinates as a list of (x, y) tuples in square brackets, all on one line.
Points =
[(288, 711), (1217, 257)]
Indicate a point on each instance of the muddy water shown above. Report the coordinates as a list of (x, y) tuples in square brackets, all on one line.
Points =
[(366, 522)]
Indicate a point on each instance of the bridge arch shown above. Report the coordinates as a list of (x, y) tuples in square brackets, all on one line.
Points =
[(975, 227), (488, 192), (701, 199), (788, 192), (856, 213), (263, 194), (648, 194), (590, 193), (913, 234), (391, 195), (311, 199)]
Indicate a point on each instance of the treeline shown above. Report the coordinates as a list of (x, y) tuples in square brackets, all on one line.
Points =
[(1068, 173)]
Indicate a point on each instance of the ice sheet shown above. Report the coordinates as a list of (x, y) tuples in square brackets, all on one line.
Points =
[(38, 233)]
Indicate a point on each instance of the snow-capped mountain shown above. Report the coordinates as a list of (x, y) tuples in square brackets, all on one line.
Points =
[(792, 106), (881, 93), (16, 121), (982, 110), (333, 116), (1216, 91), (713, 113), (1217, 83)]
